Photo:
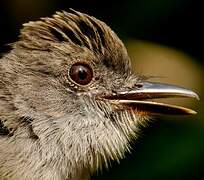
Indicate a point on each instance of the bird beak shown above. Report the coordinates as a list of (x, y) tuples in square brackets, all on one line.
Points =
[(137, 98)]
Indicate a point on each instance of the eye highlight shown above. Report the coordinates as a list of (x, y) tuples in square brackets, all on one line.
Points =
[(81, 73)]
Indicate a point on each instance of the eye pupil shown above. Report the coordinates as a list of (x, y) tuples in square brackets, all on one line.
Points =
[(81, 73)]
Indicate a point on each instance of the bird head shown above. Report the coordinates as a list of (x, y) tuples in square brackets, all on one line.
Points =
[(75, 91)]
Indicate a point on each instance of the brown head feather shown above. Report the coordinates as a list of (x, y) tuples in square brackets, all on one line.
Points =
[(75, 28)]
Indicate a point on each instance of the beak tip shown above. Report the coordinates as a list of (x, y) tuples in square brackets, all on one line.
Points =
[(193, 112), (196, 96), (189, 112), (192, 94)]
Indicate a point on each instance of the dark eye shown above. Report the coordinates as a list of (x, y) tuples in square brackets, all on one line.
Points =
[(81, 73)]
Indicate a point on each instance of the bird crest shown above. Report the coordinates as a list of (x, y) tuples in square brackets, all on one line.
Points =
[(72, 27)]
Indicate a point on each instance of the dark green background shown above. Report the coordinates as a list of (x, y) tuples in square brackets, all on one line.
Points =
[(167, 148)]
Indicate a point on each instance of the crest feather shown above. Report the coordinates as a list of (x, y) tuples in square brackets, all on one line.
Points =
[(72, 27)]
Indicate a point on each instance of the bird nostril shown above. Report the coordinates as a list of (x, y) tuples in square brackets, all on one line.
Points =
[(114, 92), (139, 85)]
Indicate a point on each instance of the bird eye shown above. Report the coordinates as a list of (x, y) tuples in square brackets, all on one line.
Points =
[(81, 73)]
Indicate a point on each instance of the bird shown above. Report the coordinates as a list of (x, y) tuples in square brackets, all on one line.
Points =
[(70, 103)]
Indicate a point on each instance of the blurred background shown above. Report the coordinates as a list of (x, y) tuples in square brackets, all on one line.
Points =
[(164, 39)]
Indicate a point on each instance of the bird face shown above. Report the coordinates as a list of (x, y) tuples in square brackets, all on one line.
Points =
[(72, 80)]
